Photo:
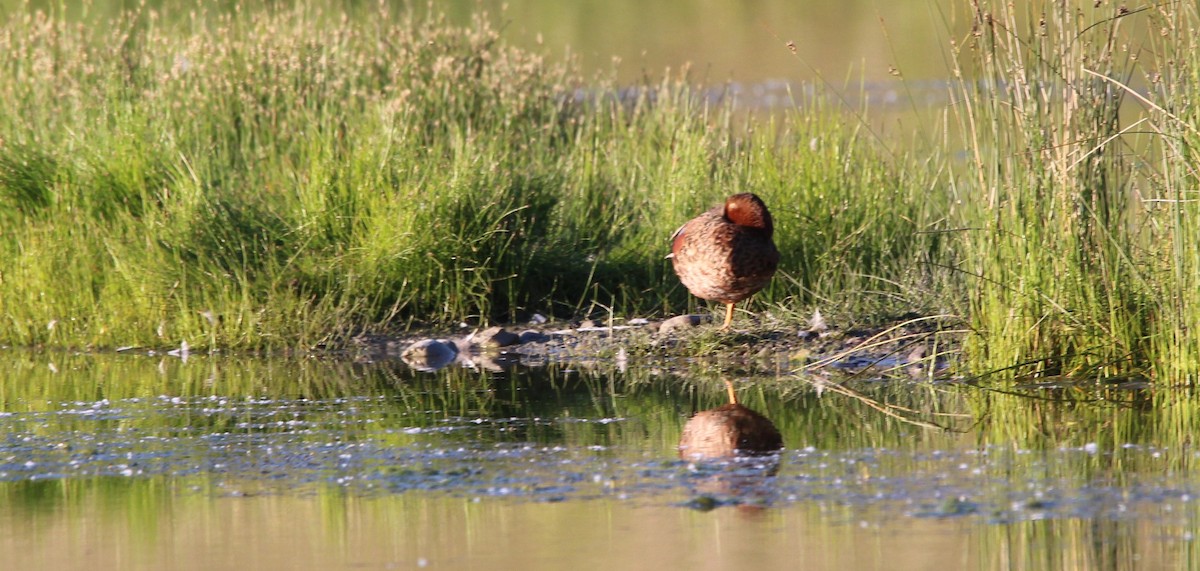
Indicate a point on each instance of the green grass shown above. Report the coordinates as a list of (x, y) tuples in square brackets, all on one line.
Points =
[(280, 177), (1083, 189)]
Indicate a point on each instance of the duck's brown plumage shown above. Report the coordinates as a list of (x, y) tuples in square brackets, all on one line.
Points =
[(727, 254), (728, 430)]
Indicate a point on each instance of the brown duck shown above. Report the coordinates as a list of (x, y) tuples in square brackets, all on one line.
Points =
[(727, 254), (728, 430)]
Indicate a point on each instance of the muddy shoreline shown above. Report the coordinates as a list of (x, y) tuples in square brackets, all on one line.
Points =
[(910, 346)]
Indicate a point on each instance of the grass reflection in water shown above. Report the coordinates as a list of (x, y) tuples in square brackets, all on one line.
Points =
[(164, 446)]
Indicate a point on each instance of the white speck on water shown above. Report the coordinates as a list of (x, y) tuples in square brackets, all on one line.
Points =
[(1091, 447)]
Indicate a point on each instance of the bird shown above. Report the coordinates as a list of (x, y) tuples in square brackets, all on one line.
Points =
[(728, 430), (728, 253)]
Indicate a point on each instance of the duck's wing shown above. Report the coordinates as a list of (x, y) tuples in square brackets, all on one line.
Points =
[(675, 240)]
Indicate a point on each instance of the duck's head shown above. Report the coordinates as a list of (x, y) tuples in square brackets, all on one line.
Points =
[(747, 209)]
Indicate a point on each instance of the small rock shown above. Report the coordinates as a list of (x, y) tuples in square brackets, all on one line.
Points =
[(496, 337), (703, 503), (463, 345), (764, 353), (680, 322), (538, 318), (916, 355), (916, 363), (588, 324), (532, 336), (430, 354), (495, 362)]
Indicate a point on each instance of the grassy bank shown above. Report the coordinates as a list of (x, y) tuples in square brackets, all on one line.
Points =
[(280, 177), (274, 178)]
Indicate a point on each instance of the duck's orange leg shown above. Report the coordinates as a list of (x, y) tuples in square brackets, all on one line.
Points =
[(728, 316)]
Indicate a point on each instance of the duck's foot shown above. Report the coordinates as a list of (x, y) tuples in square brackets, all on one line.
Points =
[(728, 316)]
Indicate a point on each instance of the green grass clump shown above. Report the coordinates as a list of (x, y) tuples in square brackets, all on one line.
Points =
[(1085, 257), (271, 177)]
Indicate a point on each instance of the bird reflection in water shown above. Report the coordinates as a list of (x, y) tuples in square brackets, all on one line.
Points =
[(733, 451)]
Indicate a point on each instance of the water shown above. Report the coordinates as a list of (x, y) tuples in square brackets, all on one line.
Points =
[(149, 462), (747, 42)]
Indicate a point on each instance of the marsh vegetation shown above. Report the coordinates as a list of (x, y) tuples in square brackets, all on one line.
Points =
[(281, 177)]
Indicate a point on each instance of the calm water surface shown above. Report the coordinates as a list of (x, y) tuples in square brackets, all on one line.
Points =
[(842, 42), (149, 462)]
